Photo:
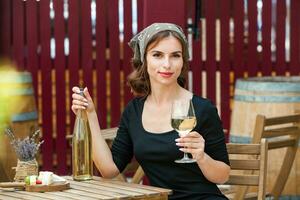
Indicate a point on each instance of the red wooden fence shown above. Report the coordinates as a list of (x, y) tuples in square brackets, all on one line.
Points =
[(100, 59)]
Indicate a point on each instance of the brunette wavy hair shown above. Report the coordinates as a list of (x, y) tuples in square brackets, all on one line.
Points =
[(138, 80)]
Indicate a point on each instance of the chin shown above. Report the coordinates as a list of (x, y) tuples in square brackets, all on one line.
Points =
[(168, 82)]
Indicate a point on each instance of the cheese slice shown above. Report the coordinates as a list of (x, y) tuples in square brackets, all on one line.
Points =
[(46, 177)]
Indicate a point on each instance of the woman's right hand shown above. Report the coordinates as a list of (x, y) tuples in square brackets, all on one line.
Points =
[(80, 102)]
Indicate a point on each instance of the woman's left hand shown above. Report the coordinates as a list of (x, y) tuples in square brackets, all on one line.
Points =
[(192, 143)]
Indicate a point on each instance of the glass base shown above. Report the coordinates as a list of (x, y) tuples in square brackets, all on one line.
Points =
[(82, 177), (186, 160)]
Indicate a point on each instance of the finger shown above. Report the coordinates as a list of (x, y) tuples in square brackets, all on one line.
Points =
[(190, 139), (74, 110), (76, 89), (79, 103), (87, 94), (185, 150), (77, 107), (191, 145), (192, 134), (191, 150), (76, 96)]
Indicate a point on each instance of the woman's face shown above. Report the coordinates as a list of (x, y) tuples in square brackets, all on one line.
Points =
[(164, 61)]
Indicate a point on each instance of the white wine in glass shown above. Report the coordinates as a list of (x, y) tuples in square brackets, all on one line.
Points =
[(183, 120)]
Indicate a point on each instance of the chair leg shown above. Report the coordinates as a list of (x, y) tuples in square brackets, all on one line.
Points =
[(121, 177), (284, 172), (139, 174), (241, 192)]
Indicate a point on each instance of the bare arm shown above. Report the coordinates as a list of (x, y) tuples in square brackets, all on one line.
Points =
[(101, 153), (214, 170)]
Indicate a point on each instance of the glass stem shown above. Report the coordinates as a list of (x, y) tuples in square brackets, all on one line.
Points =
[(185, 156)]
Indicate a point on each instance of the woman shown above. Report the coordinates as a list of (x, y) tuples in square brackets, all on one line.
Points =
[(160, 65)]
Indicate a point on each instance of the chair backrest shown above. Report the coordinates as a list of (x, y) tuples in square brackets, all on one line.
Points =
[(252, 160), (281, 132)]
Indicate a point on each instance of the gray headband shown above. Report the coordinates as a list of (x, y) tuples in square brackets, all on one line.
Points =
[(140, 41)]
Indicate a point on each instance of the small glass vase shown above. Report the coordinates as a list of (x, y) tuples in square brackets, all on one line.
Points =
[(26, 168)]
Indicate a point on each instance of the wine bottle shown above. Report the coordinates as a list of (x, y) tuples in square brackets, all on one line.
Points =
[(82, 147)]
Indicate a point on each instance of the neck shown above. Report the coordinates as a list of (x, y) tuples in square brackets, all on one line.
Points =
[(164, 94)]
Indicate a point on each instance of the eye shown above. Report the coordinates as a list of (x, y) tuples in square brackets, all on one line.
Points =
[(177, 55), (157, 55)]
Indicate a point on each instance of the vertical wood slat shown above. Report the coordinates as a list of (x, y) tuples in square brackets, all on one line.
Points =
[(266, 37), (210, 66), (6, 23), (114, 62), (191, 9), (295, 38), (225, 63), (280, 65), (197, 65), (59, 64), (32, 42), (86, 44), (127, 50), (47, 147), (18, 33), (164, 14), (196, 57), (252, 61), (101, 64), (140, 14), (238, 64), (73, 58)]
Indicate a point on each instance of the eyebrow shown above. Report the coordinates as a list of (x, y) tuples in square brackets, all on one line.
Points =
[(156, 51)]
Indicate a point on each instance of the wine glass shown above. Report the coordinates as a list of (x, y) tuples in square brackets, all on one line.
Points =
[(183, 120)]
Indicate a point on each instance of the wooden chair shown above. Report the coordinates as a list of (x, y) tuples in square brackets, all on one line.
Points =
[(281, 132), (252, 159)]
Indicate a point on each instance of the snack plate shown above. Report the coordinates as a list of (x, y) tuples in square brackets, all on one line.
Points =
[(56, 186)]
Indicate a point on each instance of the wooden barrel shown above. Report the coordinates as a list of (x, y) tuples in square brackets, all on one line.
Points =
[(17, 102), (269, 96)]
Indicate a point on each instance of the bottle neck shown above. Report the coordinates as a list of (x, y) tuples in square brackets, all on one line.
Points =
[(79, 113)]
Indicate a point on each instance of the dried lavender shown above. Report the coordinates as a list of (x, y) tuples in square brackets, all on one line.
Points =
[(27, 148)]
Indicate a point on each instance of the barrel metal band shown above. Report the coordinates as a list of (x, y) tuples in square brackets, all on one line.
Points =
[(274, 99), (24, 77), (279, 86), (28, 116), (17, 91)]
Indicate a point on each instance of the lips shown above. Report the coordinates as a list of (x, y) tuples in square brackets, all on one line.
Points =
[(166, 74)]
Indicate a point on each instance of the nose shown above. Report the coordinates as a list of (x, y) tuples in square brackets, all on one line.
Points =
[(166, 62)]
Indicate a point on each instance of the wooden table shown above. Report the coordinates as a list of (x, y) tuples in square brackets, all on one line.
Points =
[(94, 189)]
